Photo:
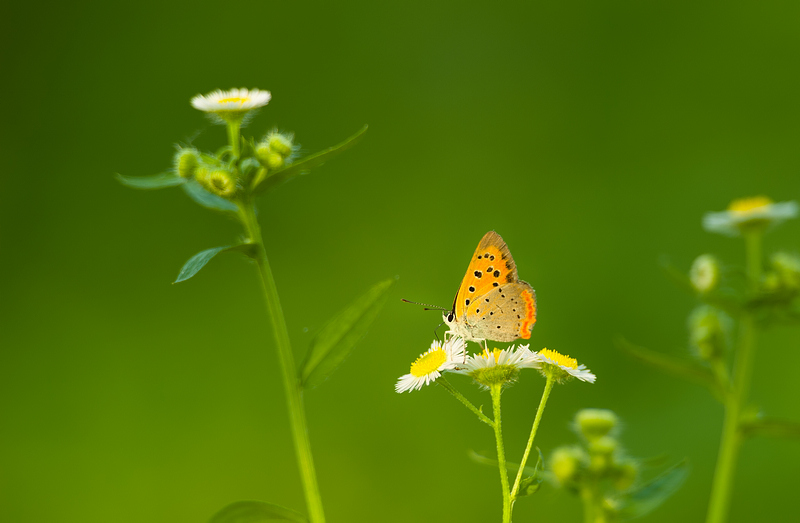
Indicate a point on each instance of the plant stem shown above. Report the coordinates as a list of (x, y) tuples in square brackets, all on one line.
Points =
[(449, 388), (547, 388), (497, 391), (737, 399), (233, 136), (294, 395)]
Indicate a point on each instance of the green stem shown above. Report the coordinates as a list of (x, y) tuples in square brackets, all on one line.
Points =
[(737, 399), (233, 136), (449, 388), (497, 391), (587, 496), (294, 395), (547, 388)]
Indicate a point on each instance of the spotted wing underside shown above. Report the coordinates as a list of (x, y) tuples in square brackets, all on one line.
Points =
[(505, 313)]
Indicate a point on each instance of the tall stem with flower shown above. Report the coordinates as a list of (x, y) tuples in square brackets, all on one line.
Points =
[(229, 182)]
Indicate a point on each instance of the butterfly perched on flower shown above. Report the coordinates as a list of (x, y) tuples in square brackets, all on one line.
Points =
[(492, 303)]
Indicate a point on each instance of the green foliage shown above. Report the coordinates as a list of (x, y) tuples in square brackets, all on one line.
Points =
[(302, 166), (156, 181), (338, 338), (256, 512), (644, 499), (206, 199), (199, 260), (772, 428)]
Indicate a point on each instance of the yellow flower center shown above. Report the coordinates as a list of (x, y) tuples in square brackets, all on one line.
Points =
[(746, 205), (429, 362), (237, 99), (560, 359), (485, 354)]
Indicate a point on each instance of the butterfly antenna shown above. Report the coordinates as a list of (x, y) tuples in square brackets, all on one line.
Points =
[(427, 307)]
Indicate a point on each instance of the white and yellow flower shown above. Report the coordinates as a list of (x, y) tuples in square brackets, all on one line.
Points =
[(755, 213), (235, 102), (498, 367), (430, 365), (561, 366)]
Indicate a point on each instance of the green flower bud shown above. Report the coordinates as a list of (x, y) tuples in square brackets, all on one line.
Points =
[(280, 143), (595, 423), (269, 157), (787, 269), (220, 183), (625, 474), (708, 332), (566, 463), (601, 454), (704, 273), (186, 162)]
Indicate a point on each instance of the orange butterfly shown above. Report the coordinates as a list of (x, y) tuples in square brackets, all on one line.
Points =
[(492, 302)]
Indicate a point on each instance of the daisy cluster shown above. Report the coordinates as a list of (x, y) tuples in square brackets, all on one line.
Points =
[(488, 367)]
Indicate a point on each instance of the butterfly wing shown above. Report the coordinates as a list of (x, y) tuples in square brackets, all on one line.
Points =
[(490, 267), (505, 313)]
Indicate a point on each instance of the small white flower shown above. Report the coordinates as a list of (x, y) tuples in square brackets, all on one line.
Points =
[(704, 273), (519, 357), (757, 212), (563, 366), (430, 365), (235, 100)]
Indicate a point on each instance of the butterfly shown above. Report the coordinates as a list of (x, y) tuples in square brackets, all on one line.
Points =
[(492, 303)]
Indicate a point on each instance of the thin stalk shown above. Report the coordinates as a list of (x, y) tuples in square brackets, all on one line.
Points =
[(460, 397), (233, 136), (737, 399), (496, 391), (294, 395), (547, 388)]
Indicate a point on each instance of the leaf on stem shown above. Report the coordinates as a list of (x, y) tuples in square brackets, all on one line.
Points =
[(530, 485), (199, 260), (646, 498), (674, 366), (335, 341), (206, 199), (156, 181), (772, 428), (303, 165), (256, 512)]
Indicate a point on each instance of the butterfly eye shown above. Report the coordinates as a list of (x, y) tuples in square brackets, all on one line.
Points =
[(450, 316)]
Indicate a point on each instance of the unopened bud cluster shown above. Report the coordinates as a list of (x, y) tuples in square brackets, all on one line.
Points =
[(599, 460), (228, 178), (784, 274), (708, 332)]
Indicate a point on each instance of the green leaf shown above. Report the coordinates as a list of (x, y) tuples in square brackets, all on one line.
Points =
[(683, 369), (772, 428), (646, 498), (256, 512), (335, 341), (531, 484), (206, 199), (199, 260), (303, 165), (156, 181)]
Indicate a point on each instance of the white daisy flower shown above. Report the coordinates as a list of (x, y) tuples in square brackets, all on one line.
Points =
[(498, 366), (758, 212), (562, 366), (233, 101), (430, 365)]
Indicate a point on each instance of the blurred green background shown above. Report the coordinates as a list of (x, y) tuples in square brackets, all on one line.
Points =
[(591, 135)]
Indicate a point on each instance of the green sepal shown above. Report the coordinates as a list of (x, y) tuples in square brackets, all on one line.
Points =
[(303, 165), (771, 428), (206, 199), (249, 165), (680, 368), (338, 338), (644, 499), (156, 181), (256, 512), (199, 260)]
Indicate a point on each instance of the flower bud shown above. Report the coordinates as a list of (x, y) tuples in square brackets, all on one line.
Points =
[(280, 143), (704, 273), (566, 462), (220, 183), (787, 269), (186, 161), (708, 332), (267, 156), (601, 453), (595, 423), (625, 474)]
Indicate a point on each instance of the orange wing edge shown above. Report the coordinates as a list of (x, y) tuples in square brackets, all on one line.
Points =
[(530, 314)]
